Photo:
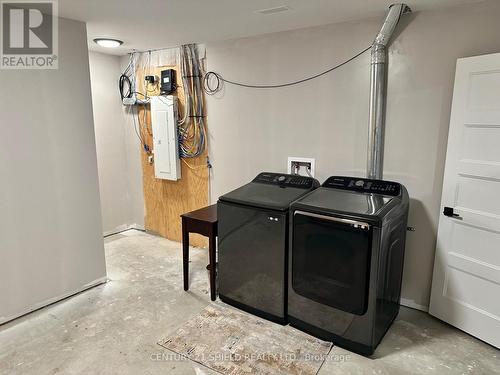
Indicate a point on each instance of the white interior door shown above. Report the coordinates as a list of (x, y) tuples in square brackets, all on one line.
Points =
[(466, 280)]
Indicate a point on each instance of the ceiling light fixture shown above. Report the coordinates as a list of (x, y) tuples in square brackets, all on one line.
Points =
[(108, 43)]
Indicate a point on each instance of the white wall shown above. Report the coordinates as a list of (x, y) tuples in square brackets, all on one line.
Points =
[(118, 149), (50, 225), (134, 170), (255, 130)]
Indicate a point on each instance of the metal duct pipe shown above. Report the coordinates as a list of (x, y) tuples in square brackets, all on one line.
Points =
[(378, 91)]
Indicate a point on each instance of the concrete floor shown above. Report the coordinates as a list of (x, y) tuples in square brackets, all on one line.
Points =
[(113, 328)]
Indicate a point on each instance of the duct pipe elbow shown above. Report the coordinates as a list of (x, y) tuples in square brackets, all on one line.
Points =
[(390, 23)]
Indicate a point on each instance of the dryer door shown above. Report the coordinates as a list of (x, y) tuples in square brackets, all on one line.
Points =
[(331, 260)]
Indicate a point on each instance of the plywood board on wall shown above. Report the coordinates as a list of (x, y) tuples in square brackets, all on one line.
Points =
[(166, 200)]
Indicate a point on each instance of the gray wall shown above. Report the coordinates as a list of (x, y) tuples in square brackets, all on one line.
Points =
[(51, 242), (118, 149), (255, 130)]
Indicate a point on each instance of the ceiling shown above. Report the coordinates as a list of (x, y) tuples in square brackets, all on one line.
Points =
[(150, 24)]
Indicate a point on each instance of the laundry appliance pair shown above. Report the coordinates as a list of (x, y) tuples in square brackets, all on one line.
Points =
[(327, 259)]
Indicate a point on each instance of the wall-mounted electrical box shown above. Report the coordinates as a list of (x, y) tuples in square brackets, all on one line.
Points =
[(165, 140), (167, 83), (301, 166), (134, 100)]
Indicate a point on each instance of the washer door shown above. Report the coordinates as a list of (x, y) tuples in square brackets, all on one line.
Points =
[(331, 260)]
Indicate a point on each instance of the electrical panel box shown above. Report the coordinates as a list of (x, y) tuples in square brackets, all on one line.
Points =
[(168, 83), (165, 138)]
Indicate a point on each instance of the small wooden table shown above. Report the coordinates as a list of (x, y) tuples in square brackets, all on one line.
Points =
[(204, 222)]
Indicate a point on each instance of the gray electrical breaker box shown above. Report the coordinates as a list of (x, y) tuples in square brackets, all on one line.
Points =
[(165, 137)]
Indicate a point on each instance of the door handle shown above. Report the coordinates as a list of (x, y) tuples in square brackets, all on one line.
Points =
[(449, 211)]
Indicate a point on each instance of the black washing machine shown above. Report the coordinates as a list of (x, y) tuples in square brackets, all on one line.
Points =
[(347, 242), (253, 237)]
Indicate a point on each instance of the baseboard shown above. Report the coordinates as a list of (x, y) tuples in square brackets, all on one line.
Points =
[(137, 226), (411, 304), (51, 301), (123, 228)]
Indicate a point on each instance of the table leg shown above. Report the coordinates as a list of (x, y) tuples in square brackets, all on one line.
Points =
[(185, 255), (211, 253)]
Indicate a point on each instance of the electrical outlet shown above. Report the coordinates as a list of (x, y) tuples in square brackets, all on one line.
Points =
[(301, 166)]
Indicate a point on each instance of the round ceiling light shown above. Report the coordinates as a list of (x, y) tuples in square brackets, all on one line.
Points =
[(108, 43)]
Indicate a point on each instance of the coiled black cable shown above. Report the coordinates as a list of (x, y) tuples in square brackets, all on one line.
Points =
[(124, 79)]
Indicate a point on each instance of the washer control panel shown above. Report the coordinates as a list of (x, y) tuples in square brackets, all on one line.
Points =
[(363, 185), (286, 180)]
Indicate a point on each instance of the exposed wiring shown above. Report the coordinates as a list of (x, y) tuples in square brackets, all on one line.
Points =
[(140, 93), (127, 80), (138, 131), (135, 125), (130, 64), (149, 72), (209, 179), (123, 82), (149, 62), (193, 168), (145, 123), (308, 171), (212, 81), (191, 127)]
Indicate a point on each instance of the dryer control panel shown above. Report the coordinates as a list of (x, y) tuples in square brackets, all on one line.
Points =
[(286, 180), (363, 185)]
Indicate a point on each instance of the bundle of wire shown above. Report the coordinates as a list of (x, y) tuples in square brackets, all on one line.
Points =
[(192, 131), (127, 78), (127, 82)]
